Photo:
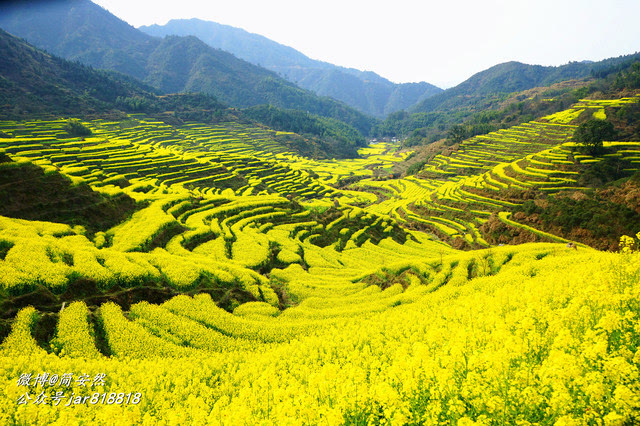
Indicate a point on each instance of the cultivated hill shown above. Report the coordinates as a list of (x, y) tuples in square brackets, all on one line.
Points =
[(171, 261), (253, 286), (81, 30), (531, 182), (366, 91)]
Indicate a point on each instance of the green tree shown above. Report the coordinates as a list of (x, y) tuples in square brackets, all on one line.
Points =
[(456, 134), (75, 128), (592, 132)]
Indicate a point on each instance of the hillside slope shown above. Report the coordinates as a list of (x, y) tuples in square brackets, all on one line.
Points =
[(28, 192), (254, 291), (34, 82), (81, 30), (366, 91), (487, 103), (530, 182), (511, 77)]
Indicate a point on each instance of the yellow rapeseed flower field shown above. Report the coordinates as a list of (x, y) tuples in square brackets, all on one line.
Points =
[(548, 341), (249, 288)]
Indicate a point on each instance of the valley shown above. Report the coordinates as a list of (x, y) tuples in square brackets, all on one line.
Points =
[(236, 246), (189, 238)]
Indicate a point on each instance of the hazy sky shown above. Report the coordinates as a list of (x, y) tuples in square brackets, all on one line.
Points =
[(442, 42)]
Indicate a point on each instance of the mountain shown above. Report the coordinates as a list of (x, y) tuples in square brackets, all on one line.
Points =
[(511, 77), (83, 31), (35, 82), (79, 30), (509, 94), (364, 90)]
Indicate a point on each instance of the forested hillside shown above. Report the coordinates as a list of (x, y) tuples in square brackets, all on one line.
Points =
[(80, 30), (38, 84), (365, 91), (507, 95)]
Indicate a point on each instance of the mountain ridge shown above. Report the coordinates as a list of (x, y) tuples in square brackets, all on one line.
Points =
[(83, 31), (510, 77), (34, 83), (364, 90)]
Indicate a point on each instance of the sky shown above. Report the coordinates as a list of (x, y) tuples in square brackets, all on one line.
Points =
[(441, 42)]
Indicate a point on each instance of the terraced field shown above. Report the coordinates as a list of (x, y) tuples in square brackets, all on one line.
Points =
[(254, 286), (454, 195), (233, 195), (224, 208)]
